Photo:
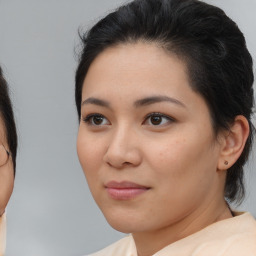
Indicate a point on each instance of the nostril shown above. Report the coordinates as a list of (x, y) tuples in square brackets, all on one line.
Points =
[(126, 163), (117, 164)]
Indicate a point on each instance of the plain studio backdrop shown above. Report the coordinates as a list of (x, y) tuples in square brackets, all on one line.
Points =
[(51, 212)]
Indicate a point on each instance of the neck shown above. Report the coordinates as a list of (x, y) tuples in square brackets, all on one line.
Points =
[(150, 242)]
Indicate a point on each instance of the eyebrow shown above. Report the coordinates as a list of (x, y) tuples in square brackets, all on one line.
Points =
[(96, 101), (157, 99), (138, 103)]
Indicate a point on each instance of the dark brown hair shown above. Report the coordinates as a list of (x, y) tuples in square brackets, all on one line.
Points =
[(7, 116)]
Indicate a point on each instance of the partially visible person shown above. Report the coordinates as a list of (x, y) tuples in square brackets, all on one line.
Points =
[(8, 150)]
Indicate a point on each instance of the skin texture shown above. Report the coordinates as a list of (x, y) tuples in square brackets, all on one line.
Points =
[(6, 172), (176, 157)]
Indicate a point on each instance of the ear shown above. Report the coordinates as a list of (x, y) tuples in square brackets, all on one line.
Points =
[(232, 142)]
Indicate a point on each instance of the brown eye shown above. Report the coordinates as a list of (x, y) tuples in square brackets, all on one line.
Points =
[(97, 120), (156, 120)]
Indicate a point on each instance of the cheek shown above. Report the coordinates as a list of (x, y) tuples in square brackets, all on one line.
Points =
[(90, 152), (167, 156), (183, 162), (6, 184)]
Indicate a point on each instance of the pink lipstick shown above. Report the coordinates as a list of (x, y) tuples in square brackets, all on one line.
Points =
[(124, 190)]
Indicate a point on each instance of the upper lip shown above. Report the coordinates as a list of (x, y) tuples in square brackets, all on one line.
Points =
[(124, 185)]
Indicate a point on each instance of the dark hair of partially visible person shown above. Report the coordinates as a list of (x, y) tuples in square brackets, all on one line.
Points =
[(211, 45), (7, 117)]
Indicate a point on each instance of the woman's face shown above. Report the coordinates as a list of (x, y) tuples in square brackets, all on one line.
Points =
[(6, 171), (145, 141)]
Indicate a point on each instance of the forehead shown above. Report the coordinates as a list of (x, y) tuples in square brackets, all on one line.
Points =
[(135, 65), (123, 74)]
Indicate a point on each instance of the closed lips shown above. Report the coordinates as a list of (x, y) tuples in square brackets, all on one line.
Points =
[(124, 190)]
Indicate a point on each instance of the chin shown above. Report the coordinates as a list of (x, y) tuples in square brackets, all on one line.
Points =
[(125, 224), (124, 227)]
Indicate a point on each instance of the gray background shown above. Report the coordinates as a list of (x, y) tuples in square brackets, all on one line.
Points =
[(51, 211)]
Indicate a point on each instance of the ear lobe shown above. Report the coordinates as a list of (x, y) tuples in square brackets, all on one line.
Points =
[(233, 143)]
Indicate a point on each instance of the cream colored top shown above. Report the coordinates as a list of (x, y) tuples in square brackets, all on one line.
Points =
[(231, 237), (2, 234)]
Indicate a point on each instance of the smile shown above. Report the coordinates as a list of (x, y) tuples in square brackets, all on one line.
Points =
[(124, 190)]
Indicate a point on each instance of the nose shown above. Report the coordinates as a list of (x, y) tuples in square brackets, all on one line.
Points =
[(123, 149)]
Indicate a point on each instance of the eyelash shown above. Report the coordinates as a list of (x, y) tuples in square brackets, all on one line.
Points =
[(156, 114), (88, 118)]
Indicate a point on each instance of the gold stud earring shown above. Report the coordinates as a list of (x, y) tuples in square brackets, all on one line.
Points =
[(226, 162)]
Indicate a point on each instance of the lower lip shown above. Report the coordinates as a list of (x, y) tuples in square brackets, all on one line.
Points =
[(125, 193)]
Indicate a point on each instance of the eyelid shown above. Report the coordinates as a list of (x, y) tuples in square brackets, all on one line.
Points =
[(170, 119), (87, 118)]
